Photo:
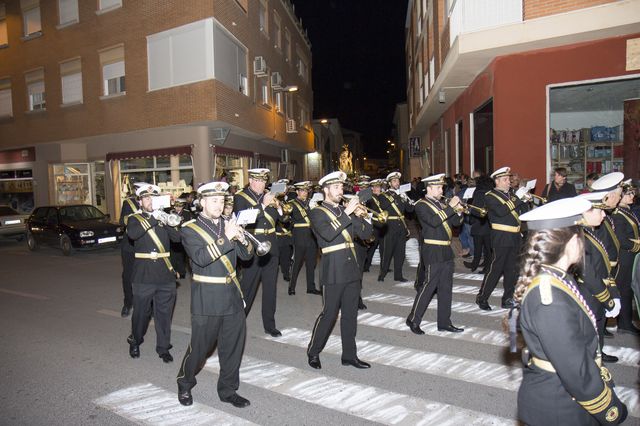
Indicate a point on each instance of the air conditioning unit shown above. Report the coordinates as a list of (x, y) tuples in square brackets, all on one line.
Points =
[(259, 66), (276, 81), (291, 126)]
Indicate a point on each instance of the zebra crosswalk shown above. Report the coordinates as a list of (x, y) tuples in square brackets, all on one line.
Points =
[(267, 367)]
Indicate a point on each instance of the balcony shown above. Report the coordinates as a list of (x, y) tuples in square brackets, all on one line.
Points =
[(474, 15)]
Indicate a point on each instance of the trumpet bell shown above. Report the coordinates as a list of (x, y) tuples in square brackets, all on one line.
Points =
[(263, 248)]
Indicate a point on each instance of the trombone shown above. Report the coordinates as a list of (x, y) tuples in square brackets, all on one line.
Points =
[(380, 216)]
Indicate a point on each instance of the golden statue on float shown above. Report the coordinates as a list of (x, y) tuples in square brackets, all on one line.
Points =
[(346, 164)]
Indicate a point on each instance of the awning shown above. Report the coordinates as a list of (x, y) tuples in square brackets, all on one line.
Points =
[(162, 152), (218, 150)]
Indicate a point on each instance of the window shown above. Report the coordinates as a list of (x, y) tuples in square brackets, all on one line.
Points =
[(71, 75), (230, 59), (277, 31), (304, 116), (287, 45), (112, 63), (31, 17), (35, 89), (6, 109), (107, 5), (4, 39), (68, 11), (264, 18), (303, 69), (172, 173), (263, 84), (278, 101)]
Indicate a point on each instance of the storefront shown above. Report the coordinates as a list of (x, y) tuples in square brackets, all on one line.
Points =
[(16, 179)]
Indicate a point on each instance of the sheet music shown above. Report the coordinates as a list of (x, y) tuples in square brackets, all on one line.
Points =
[(246, 217)]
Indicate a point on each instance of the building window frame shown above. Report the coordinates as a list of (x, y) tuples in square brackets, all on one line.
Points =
[(69, 7), (287, 45), (31, 19), (6, 98), (113, 72), (70, 73), (105, 6), (263, 15), (36, 91), (277, 31), (4, 34)]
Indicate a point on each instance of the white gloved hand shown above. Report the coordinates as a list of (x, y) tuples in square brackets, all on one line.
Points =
[(616, 309)]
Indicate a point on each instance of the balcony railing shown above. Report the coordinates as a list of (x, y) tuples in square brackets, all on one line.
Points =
[(473, 15)]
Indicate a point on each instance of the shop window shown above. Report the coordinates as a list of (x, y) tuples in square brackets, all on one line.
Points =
[(35, 90), (172, 173), (108, 5), (113, 75), (587, 128), (231, 168), (4, 39), (71, 76), (16, 190), (6, 108), (31, 18), (68, 12), (72, 185)]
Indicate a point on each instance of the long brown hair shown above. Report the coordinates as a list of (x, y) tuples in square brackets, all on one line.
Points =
[(544, 247)]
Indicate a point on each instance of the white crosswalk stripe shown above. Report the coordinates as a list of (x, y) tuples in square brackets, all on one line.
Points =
[(367, 402), (460, 307), (460, 289), (147, 404)]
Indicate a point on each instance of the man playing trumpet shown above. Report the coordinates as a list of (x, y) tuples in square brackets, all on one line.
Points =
[(217, 306), (436, 255)]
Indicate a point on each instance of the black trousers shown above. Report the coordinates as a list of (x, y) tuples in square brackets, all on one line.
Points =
[(394, 247), (229, 332), (261, 269), (503, 262), (439, 278), (308, 255), (343, 298), (481, 248), (284, 255), (378, 243), (160, 298), (178, 258), (623, 281), (128, 258)]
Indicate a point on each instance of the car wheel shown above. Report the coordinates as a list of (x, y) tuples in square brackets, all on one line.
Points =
[(65, 245), (32, 244)]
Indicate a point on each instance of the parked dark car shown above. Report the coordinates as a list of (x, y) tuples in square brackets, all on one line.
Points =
[(71, 227), (12, 223)]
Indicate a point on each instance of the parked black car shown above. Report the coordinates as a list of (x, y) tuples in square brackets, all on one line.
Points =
[(71, 227)]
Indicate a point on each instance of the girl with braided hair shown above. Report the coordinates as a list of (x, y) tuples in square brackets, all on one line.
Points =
[(564, 382)]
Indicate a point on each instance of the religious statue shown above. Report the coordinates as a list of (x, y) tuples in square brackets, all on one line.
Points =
[(346, 164)]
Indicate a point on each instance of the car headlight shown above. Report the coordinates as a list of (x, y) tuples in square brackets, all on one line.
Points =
[(119, 229), (84, 234)]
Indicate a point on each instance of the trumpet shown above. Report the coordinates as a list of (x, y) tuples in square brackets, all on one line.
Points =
[(466, 208), (381, 217), (543, 200), (262, 247), (169, 219), (278, 201)]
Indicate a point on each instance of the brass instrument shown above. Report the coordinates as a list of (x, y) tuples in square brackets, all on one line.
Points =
[(466, 208), (543, 200), (381, 217), (278, 201), (169, 219), (262, 247)]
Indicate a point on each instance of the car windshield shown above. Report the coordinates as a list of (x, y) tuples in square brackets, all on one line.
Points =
[(7, 211), (75, 213)]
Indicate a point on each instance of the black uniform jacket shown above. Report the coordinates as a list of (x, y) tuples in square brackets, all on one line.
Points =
[(479, 224), (129, 207), (206, 260), (267, 217), (374, 204), (504, 210), (140, 229), (333, 227), (627, 228), (559, 328), (393, 204), (301, 223), (607, 234), (596, 276), (436, 221)]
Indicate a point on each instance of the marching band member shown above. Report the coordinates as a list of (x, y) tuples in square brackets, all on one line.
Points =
[(263, 268), (178, 255), (130, 206), (153, 279), (305, 247), (335, 229), (217, 312), (396, 205), (627, 227), (436, 221), (503, 212), (227, 213), (610, 183), (284, 237), (564, 382), (379, 226)]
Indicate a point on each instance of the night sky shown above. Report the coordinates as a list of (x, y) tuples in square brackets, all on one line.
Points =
[(358, 63)]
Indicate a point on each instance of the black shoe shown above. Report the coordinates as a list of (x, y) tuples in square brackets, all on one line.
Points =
[(184, 396), (314, 362), (166, 357), (274, 332), (366, 270), (508, 304), (236, 400), (470, 266), (286, 278), (134, 350), (451, 329), (607, 333), (482, 304), (415, 328), (380, 278), (609, 358), (361, 305), (291, 291), (402, 280), (467, 256), (314, 291), (356, 363), (633, 330), (126, 310)]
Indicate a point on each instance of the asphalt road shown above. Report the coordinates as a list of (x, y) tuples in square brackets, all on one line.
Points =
[(64, 356)]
